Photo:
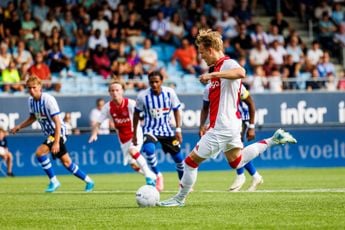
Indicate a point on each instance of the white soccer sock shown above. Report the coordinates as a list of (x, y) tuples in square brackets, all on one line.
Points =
[(252, 151), (54, 179), (144, 167), (88, 179), (188, 180)]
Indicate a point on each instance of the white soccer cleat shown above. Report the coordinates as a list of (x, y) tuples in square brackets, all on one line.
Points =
[(255, 183), (238, 183), (172, 202), (282, 137)]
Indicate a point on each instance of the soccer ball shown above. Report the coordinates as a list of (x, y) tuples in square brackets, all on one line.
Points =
[(147, 196)]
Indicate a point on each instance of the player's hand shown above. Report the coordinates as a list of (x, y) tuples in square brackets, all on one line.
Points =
[(250, 134), (55, 147), (204, 78), (93, 138), (15, 129), (202, 130), (178, 136)]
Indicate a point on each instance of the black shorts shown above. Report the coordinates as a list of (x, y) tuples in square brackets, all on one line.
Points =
[(63, 150), (169, 144)]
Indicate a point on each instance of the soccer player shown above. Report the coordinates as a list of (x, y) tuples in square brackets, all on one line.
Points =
[(120, 110), (5, 154), (44, 108), (224, 133), (156, 103)]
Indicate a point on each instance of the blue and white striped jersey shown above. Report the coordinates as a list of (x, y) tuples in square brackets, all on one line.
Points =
[(243, 106), (156, 109), (44, 110)]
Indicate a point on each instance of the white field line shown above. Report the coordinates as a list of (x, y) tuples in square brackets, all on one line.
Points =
[(321, 190)]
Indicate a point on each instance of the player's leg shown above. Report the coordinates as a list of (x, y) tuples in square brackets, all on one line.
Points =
[(9, 163), (149, 148), (237, 158), (44, 160), (141, 162), (239, 180), (74, 168), (171, 145)]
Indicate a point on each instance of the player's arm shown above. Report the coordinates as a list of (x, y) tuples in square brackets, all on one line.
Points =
[(231, 74), (251, 108), (203, 117), (94, 132), (136, 117), (57, 134), (31, 119), (178, 130)]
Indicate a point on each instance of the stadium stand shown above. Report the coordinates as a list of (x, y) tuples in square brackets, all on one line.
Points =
[(58, 22)]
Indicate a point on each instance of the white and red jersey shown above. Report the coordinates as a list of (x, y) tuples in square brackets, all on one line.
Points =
[(122, 116), (224, 97)]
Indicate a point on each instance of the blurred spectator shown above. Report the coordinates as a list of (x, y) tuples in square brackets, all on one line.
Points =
[(12, 26), (11, 78), (5, 154), (167, 9), (5, 56), (28, 25), (306, 10), (113, 4), (192, 34), (269, 66), (315, 82), (274, 81), (133, 60), (187, 56), (331, 84), (57, 61), (259, 34), (81, 41), (203, 23), (295, 50), (326, 31), (82, 60), (243, 13), (322, 8), (85, 25), (68, 123), (258, 82), (69, 29), (337, 15), (36, 44), (277, 52), (48, 24), (259, 54), (22, 57), (95, 113), (97, 39), (40, 11), (100, 24), (160, 28), (41, 70), (289, 72), (314, 53), (243, 42), (55, 38), (100, 62), (148, 57), (228, 25), (274, 35), (339, 40), (325, 67), (280, 22), (177, 29), (132, 30)]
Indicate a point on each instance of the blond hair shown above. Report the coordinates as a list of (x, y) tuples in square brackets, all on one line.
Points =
[(210, 39), (33, 79), (117, 82)]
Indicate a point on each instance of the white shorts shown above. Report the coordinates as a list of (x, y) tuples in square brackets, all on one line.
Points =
[(2, 151), (215, 141), (127, 158)]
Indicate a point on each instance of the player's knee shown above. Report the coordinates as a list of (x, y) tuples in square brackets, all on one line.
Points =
[(149, 148)]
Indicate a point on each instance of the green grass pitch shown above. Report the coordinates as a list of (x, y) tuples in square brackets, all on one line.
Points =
[(288, 199)]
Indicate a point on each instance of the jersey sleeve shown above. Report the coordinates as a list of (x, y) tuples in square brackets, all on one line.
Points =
[(139, 103), (230, 64), (131, 106), (52, 105)]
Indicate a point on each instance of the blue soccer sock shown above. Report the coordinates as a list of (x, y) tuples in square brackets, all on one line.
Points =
[(178, 159), (250, 168), (240, 171), (46, 165), (73, 168), (149, 150)]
